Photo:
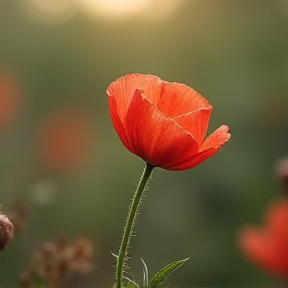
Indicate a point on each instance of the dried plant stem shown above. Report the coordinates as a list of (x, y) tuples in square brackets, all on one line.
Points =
[(130, 223)]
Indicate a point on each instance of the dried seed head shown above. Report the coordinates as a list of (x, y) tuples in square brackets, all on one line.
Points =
[(282, 174), (6, 231), (55, 261), (83, 247), (82, 254)]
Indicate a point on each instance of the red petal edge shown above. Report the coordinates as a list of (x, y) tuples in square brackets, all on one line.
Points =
[(211, 146), (217, 139), (118, 125)]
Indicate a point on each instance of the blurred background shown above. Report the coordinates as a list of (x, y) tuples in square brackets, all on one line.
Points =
[(64, 166)]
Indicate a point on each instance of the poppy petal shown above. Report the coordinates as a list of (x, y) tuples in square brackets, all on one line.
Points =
[(217, 139), (177, 99), (196, 123), (257, 247), (194, 160), (159, 140), (118, 125), (123, 90), (277, 223)]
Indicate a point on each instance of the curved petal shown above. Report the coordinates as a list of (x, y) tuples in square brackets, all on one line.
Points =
[(217, 139), (194, 160), (211, 146), (257, 247), (160, 141), (277, 223), (177, 99), (196, 123), (123, 90), (118, 125)]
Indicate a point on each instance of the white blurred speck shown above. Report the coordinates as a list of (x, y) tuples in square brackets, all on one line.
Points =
[(43, 192)]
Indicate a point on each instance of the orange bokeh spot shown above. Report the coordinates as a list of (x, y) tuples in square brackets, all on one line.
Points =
[(267, 246), (9, 101), (64, 140)]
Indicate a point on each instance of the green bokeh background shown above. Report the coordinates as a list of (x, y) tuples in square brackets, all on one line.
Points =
[(235, 53)]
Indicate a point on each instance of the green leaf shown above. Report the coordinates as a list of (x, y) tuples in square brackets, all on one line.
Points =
[(145, 274), (128, 283), (165, 272)]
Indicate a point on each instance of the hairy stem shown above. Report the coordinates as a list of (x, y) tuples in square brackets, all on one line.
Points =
[(130, 223)]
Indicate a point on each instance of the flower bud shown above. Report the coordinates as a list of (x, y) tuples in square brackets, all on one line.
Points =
[(6, 231)]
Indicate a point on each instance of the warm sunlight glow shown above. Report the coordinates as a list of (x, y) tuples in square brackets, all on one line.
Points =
[(51, 10), (154, 9), (114, 7), (55, 11), (159, 9)]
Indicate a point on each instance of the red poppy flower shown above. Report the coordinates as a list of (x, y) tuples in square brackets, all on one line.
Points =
[(268, 246), (163, 123), (64, 140)]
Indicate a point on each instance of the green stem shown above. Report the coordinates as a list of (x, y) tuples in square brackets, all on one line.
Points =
[(130, 223)]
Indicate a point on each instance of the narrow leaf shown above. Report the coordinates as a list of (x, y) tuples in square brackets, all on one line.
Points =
[(165, 272), (128, 283), (145, 274)]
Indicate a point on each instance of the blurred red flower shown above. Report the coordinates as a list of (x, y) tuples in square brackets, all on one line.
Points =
[(64, 140), (267, 247), (163, 123), (9, 101)]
